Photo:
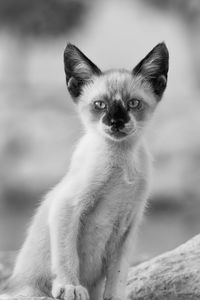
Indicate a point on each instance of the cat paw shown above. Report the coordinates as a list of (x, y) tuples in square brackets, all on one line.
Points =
[(69, 292)]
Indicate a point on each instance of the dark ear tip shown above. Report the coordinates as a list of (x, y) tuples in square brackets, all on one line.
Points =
[(162, 48), (69, 48)]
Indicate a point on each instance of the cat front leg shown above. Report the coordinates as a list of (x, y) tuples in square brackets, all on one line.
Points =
[(116, 280), (64, 224), (117, 271)]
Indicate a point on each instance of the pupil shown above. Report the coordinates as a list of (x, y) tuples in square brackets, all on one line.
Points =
[(101, 104)]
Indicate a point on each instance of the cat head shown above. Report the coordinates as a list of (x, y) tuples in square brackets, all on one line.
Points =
[(116, 103)]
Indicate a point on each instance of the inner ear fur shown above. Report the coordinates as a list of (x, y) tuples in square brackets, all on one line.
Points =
[(79, 69), (154, 68)]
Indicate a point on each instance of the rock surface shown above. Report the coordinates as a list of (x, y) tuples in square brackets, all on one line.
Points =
[(174, 275)]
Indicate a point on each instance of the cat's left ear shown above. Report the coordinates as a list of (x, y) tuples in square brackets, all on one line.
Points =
[(154, 68), (78, 70)]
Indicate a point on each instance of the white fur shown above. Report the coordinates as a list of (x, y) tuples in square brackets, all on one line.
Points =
[(98, 169), (134, 85), (83, 231)]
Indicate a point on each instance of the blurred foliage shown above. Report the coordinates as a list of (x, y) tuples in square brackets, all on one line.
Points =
[(38, 125), (188, 9), (189, 14), (41, 17)]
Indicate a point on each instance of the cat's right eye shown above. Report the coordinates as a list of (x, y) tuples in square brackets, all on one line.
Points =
[(135, 104), (100, 105)]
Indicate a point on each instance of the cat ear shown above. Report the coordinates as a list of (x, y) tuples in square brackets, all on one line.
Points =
[(154, 68), (78, 69)]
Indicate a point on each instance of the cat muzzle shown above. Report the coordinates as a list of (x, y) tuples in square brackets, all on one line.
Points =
[(117, 125)]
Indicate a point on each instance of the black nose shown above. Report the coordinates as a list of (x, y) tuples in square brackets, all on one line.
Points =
[(116, 116), (117, 124)]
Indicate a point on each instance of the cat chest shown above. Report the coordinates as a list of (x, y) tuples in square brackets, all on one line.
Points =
[(105, 227), (113, 207)]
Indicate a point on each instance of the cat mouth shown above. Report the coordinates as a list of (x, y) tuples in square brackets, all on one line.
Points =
[(117, 133)]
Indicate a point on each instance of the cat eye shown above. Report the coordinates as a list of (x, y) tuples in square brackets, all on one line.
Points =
[(135, 104), (100, 105)]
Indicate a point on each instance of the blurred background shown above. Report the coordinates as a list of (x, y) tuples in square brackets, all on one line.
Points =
[(39, 126)]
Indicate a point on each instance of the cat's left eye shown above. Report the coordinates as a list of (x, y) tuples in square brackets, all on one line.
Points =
[(135, 104), (100, 105)]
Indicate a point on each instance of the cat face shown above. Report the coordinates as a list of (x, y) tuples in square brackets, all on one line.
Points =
[(116, 103)]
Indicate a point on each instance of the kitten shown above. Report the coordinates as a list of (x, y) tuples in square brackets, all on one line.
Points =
[(79, 244)]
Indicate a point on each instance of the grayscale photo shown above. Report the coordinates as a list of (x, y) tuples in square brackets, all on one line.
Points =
[(100, 150)]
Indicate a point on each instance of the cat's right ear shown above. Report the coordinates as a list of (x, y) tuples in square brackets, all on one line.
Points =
[(79, 70), (154, 68)]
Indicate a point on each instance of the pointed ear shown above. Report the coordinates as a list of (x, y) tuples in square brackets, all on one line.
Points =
[(154, 68), (78, 69)]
